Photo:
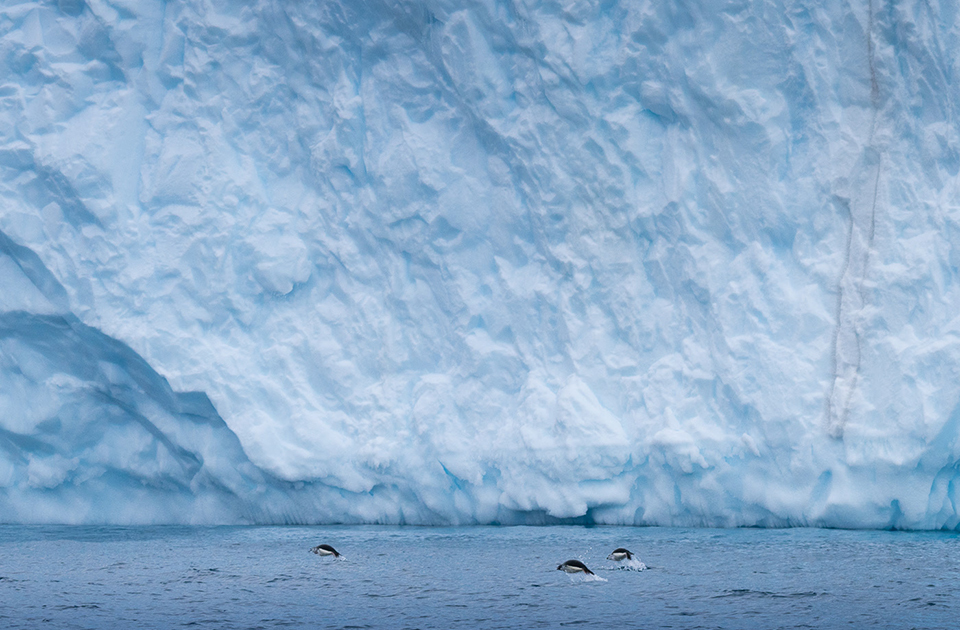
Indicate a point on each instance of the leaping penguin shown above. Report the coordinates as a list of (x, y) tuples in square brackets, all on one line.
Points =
[(620, 554), (325, 550), (574, 566)]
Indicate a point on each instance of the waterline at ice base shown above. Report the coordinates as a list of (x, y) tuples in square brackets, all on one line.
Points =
[(640, 263)]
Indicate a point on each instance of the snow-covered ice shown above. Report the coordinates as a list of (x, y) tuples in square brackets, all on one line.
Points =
[(471, 262)]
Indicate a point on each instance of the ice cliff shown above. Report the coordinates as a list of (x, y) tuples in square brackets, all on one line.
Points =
[(640, 262)]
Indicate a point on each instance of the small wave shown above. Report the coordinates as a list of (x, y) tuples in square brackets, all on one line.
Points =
[(746, 592), (627, 565)]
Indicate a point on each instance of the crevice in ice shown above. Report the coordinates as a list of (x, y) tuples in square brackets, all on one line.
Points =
[(15, 444), (36, 272), (190, 462), (835, 344), (871, 60), (53, 186), (847, 340)]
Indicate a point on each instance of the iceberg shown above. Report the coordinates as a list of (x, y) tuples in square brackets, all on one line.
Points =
[(435, 262)]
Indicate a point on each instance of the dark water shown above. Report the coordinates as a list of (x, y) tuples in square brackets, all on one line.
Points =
[(264, 577)]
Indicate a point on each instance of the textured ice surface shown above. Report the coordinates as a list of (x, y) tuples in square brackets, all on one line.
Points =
[(647, 262)]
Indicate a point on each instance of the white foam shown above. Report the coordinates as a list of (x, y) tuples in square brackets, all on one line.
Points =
[(633, 564)]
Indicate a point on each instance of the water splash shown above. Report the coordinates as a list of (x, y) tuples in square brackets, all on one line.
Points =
[(633, 564)]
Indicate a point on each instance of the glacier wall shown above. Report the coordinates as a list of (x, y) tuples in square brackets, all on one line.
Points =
[(689, 263)]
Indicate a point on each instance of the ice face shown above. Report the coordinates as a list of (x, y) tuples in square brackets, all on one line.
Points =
[(443, 263)]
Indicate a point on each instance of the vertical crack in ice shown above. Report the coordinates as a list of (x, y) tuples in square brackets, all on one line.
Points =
[(847, 338), (834, 426)]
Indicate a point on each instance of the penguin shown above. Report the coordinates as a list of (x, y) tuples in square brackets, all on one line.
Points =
[(574, 566), (325, 550), (620, 554)]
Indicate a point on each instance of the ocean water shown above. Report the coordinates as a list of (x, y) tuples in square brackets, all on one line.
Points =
[(476, 577)]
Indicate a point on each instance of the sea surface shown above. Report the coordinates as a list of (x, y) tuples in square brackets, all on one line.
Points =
[(474, 577)]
